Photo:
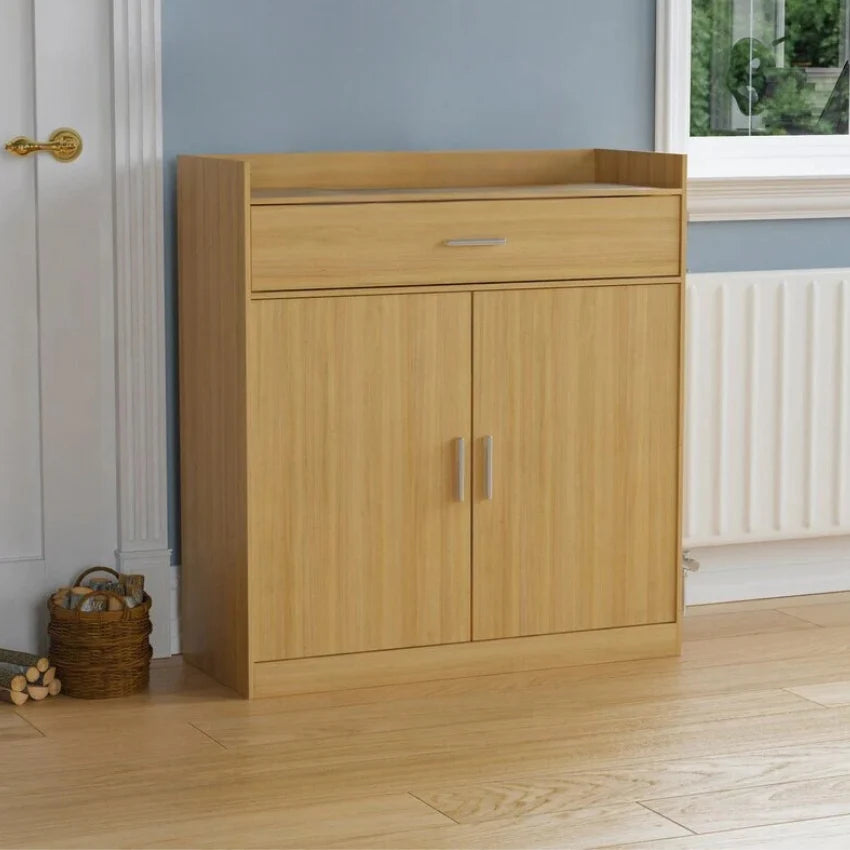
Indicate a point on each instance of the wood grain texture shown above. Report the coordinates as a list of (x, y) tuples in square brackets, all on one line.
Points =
[(783, 603), (641, 168), (797, 643), (549, 793), (422, 169), (358, 540), (552, 712), (452, 193), (345, 245), (372, 669), (213, 252), (833, 614), (14, 728), (470, 168), (741, 623), (551, 758), (738, 808), (579, 389), (586, 829), (455, 287), (681, 169), (317, 546), (823, 834), (825, 693)]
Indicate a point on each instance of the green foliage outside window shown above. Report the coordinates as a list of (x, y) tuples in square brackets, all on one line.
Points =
[(778, 92)]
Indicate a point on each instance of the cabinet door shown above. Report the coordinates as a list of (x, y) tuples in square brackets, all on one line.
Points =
[(579, 389), (358, 538)]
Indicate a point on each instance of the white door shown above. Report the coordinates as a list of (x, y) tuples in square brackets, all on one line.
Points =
[(57, 345)]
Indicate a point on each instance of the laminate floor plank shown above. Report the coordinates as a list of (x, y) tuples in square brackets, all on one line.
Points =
[(546, 794), (735, 624), (820, 834), (13, 727), (581, 830), (777, 603), (761, 805), (824, 693), (171, 825), (529, 710), (836, 614), (802, 643)]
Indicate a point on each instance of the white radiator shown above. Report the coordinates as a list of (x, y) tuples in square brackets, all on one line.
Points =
[(767, 426)]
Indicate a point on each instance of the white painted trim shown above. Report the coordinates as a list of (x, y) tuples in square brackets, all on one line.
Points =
[(140, 303), (796, 178), (769, 570), (175, 609), (741, 199), (672, 75)]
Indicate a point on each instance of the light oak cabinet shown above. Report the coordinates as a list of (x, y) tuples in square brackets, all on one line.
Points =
[(430, 413)]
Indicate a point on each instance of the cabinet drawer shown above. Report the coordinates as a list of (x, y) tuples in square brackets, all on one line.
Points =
[(333, 246)]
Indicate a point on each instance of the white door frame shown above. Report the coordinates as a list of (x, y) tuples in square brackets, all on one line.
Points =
[(140, 306)]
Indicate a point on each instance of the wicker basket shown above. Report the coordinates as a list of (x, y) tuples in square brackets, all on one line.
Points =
[(101, 654)]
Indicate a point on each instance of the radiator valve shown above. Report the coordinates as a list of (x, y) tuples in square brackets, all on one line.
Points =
[(689, 563)]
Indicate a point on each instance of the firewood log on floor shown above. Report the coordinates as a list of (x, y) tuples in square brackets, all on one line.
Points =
[(14, 697), (12, 677), (37, 692)]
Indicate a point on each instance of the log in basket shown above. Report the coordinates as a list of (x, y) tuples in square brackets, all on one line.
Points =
[(101, 654)]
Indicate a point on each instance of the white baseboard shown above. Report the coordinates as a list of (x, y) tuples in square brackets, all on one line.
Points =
[(768, 570)]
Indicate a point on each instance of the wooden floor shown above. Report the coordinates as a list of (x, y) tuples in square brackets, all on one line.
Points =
[(744, 742)]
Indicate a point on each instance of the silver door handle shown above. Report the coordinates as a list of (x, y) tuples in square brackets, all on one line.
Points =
[(460, 460), (488, 466), (475, 243)]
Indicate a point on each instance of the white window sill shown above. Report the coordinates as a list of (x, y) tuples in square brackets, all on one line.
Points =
[(768, 178), (768, 197)]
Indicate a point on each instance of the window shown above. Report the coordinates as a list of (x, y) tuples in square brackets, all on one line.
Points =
[(757, 92), (769, 68)]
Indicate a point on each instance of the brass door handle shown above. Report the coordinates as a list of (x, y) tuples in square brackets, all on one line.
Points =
[(65, 144)]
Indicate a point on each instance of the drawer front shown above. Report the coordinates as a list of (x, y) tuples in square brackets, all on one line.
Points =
[(333, 246)]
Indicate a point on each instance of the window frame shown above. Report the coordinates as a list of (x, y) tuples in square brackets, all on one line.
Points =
[(735, 178)]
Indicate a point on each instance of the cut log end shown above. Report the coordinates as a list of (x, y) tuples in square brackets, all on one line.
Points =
[(32, 674), (54, 687), (12, 677), (14, 697), (48, 676), (37, 692)]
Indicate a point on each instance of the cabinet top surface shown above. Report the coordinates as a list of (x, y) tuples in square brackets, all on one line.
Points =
[(275, 195)]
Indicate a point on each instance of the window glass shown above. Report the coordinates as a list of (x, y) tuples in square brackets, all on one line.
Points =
[(770, 67)]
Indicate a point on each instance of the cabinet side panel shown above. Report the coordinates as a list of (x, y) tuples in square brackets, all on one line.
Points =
[(641, 168), (213, 263)]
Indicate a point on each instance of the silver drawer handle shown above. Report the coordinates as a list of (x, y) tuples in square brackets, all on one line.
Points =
[(460, 459), (475, 243), (488, 466)]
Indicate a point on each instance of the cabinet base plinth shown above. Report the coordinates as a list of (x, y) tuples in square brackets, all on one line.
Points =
[(460, 660)]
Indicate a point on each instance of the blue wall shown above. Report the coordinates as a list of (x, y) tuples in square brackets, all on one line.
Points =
[(723, 246), (289, 75)]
